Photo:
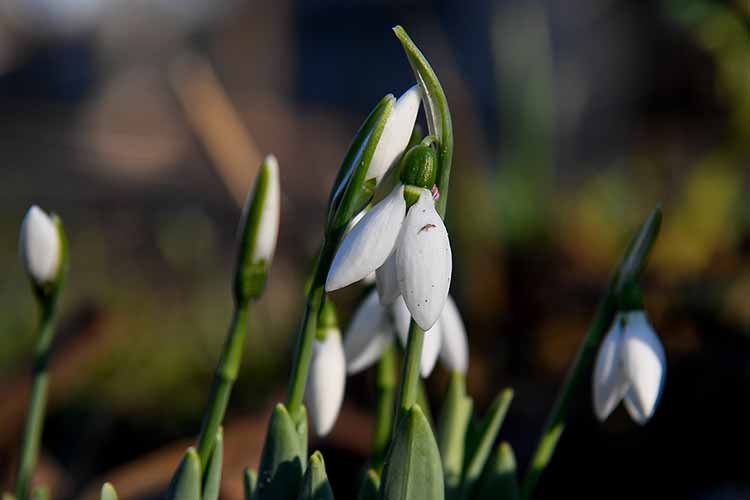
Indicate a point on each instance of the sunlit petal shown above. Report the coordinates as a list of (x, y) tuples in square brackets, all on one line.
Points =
[(324, 392), (645, 366), (609, 383), (454, 351), (369, 334)]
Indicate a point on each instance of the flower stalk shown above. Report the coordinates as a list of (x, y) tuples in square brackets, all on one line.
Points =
[(621, 283), (386, 400)]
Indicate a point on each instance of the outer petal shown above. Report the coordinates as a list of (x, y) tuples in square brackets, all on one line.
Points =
[(370, 278), (432, 341), (396, 133), (454, 351), (369, 243), (424, 262), (40, 245), (645, 366), (325, 388), (609, 383), (386, 280), (369, 334)]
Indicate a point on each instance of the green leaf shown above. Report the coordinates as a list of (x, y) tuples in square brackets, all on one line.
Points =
[(315, 485), (186, 482), (368, 488), (439, 121), (249, 480), (349, 194), (499, 479), (282, 462), (413, 470), (424, 402), (453, 425), (479, 449), (40, 493), (212, 480), (108, 492)]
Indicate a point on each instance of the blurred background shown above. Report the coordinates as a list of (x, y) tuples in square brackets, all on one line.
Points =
[(142, 123)]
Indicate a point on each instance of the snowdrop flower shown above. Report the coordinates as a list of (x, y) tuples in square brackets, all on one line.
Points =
[(630, 367), (373, 327), (40, 246), (409, 249), (324, 392), (258, 232), (396, 133)]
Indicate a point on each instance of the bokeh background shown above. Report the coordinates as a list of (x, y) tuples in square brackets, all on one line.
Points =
[(142, 124)]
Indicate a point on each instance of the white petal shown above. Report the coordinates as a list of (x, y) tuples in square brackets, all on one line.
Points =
[(432, 341), (370, 278), (268, 228), (609, 383), (370, 332), (645, 366), (325, 387), (454, 351), (40, 245), (369, 243), (396, 133), (386, 280), (424, 262)]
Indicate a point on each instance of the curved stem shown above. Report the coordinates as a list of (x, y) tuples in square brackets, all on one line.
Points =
[(32, 434), (226, 374)]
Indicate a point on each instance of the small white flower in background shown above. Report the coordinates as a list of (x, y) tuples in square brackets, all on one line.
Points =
[(324, 392), (268, 228), (412, 248), (396, 133), (630, 367), (40, 246), (373, 327)]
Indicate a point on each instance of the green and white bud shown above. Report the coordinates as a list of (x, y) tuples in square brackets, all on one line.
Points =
[(43, 250), (259, 228)]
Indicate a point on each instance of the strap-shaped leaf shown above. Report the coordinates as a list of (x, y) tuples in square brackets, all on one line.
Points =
[(455, 417), (368, 488), (108, 492), (282, 462), (315, 485), (413, 470), (499, 479), (186, 482), (638, 249), (212, 480), (439, 121), (479, 448), (349, 194), (249, 480)]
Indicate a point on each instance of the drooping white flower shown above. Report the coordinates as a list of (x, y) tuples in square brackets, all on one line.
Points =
[(324, 392), (410, 251), (630, 367), (396, 133), (268, 222), (374, 326), (40, 246)]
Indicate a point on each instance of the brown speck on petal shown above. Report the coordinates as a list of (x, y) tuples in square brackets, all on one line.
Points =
[(426, 227)]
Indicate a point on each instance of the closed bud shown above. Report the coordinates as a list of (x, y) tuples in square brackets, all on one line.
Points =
[(42, 249), (259, 228)]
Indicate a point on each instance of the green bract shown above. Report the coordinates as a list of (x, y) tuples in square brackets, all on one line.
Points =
[(212, 480), (108, 492), (412, 468)]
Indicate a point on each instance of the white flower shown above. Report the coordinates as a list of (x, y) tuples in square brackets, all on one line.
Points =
[(396, 133), (630, 367), (373, 327), (40, 246), (324, 392), (268, 222), (412, 248)]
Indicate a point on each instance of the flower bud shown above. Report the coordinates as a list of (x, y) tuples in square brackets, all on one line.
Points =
[(41, 247), (259, 229)]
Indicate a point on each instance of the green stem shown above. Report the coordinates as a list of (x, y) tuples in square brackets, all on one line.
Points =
[(32, 434), (305, 338), (386, 400), (410, 373), (224, 378)]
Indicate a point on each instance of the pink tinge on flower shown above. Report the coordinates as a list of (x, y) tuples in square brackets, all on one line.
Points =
[(435, 192)]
